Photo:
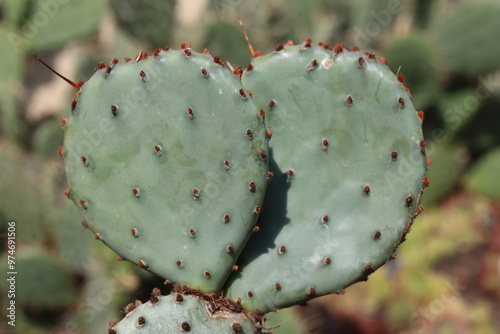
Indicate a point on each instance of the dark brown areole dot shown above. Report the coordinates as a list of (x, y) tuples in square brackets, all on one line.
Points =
[(85, 161), (325, 219), (366, 190), (129, 308), (263, 155), (236, 328), (409, 201), (142, 263), (134, 232), (401, 102), (144, 76), (426, 182), (188, 53), (114, 110), (154, 296), (226, 164), (99, 66), (156, 54), (282, 250), (421, 144), (349, 101), (196, 193), (192, 232), (361, 62), (204, 72), (73, 106), (277, 287), (185, 326), (338, 48), (243, 95), (229, 248), (226, 218), (324, 144), (238, 73), (249, 134), (218, 61), (290, 174), (377, 235), (250, 294), (272, 104), (190, 113), (327, 260), (158, 150), (141, 322), (179, 264), (394, 155), (178, 298), (311, 291), (251, 186), (60, 151), (136, 192), (206, 274), (312, 66)]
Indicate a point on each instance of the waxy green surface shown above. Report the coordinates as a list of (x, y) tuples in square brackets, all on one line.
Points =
[(340, 199), (155, 180)]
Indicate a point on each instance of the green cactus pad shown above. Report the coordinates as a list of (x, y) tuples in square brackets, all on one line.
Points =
[(348, 158), (182, 313), (52, 24), (23, 202), (166, 159), (483, 177), (41, 282), (463, 31), (150, 22)]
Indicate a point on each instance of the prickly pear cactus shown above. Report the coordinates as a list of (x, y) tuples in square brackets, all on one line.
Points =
[(184, 313), (347, 153), (166, 160)]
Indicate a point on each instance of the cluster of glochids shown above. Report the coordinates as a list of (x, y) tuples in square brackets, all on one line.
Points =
[(169, 158)]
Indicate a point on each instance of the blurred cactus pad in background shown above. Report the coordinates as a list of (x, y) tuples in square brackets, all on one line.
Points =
[(446, 277)]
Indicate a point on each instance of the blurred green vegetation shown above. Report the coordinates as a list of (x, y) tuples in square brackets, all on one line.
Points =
[(446, 279)]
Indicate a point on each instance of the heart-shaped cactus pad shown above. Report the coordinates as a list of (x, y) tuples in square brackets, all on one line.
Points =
[(348, 158), (166, 159)]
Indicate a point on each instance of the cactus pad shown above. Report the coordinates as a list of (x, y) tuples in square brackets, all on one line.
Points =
[(166, 160), (183, 313), (348, 158)]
